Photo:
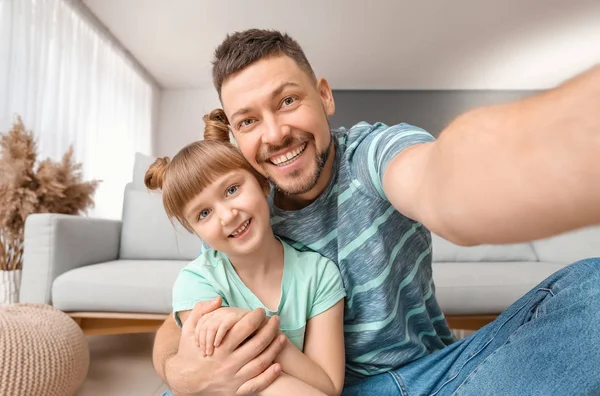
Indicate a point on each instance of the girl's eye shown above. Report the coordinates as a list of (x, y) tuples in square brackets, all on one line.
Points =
[(288, 101), (232, 189), (203, 214)]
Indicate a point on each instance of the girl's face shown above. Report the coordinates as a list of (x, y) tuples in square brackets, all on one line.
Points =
[(231, 214)]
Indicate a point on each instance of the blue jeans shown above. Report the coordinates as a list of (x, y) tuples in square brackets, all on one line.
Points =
[(546, 343)]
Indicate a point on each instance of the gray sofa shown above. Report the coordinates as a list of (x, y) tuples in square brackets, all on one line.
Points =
[(81, 264)]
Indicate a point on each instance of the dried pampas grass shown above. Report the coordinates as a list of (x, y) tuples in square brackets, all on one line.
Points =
[(54, 187)]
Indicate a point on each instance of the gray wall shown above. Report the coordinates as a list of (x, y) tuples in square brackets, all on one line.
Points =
[(430, 110)]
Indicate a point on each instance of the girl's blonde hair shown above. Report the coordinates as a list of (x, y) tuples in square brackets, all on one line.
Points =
[(196, 166)]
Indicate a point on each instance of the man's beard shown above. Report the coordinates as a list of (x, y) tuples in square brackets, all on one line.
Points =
[(311, 181)]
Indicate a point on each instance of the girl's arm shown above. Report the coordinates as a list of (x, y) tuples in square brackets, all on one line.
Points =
[(287, 385), (322, 363)]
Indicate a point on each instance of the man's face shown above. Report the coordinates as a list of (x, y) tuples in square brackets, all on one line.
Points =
[(278, 115)]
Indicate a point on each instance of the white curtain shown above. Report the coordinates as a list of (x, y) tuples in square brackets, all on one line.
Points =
[(72, 84)]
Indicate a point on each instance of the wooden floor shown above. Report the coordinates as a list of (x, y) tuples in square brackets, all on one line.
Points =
[(121, 365)]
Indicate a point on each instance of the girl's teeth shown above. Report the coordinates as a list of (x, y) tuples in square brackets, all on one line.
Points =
[(241, 229)]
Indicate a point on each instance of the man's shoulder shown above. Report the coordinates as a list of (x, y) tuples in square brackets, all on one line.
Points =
[(356, 134), (347, 136), (366, 150)]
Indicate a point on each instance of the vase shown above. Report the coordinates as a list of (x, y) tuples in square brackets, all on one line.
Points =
[(10, 282)]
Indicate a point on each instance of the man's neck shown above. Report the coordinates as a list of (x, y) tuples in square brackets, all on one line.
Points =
[(299, 201)]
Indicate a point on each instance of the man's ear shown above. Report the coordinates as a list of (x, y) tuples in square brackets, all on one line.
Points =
[(326, 96)]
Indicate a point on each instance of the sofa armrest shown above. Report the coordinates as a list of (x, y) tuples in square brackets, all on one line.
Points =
[(57, 243)]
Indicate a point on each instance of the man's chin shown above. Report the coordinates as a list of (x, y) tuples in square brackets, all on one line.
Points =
[(295, 187), (292, 190), (297, 182)]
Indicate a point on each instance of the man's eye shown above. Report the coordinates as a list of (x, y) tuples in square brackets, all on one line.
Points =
[(203, 214), (245, 123), (232, 189), (288, 101)]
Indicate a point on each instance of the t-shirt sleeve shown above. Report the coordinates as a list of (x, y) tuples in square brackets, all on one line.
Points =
[(330, 288), (374, 148), (191, 286)]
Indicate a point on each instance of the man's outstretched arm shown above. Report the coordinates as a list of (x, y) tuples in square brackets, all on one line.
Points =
[(240, 365), (513, 172)]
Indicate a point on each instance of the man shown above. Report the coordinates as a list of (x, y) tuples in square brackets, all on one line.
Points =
[(366, 198)]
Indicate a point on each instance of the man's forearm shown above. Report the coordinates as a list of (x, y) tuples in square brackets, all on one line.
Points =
[(166, 343), (519, 171)]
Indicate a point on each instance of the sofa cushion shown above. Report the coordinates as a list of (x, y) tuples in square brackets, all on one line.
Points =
[(570, 247), (144, 286), (147, 232), (118, 286), (445, 251), (141, 165), (474, 288)]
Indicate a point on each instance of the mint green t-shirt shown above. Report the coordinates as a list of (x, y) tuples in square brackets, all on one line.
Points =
[(311, 285)]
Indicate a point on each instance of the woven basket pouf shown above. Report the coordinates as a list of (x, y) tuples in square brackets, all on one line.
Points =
[(42, 352)]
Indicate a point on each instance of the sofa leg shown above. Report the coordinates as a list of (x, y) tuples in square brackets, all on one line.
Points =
[(469, 322), (105, 323)]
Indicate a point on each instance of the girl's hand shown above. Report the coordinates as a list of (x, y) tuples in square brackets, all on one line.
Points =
[(213, 326)]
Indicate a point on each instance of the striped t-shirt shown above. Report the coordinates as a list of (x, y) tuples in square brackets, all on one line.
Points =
[(391, 314)]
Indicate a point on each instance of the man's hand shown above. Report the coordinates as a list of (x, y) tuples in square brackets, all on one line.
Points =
[(213, 326), (233, 369)]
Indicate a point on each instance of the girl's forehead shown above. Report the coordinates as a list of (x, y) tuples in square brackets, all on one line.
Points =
[(225, 177)]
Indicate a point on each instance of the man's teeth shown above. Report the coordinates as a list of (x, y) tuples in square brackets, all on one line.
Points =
[(286, 158), (242, 228)]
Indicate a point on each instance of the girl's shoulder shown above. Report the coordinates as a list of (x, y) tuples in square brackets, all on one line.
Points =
[(207, 259)]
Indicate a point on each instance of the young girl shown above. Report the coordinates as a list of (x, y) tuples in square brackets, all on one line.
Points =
[(214, 192)]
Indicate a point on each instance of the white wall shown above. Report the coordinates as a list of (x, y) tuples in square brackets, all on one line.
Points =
[(387, 44), (530, 56), (531, 50), (180, 120), (156, 108)]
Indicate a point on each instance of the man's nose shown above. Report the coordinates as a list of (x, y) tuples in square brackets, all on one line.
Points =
[(274, 132)]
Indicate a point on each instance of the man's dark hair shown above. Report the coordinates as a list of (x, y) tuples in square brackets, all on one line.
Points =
[(241, 49)]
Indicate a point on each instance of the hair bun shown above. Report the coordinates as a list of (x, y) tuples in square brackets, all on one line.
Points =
[(217, 126), (155, 175)]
